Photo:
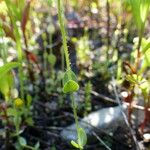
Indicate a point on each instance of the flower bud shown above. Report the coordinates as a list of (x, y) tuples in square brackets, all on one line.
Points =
[(18, 102)]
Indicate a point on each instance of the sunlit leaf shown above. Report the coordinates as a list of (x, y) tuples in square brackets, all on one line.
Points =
[(7, 67), (74, 144), (82, 140)]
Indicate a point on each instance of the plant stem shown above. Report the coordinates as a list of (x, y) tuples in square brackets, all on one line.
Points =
[(74, 106), (63, 32), (19, 50)]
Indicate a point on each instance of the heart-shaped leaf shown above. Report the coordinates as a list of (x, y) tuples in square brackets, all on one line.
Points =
[(70, 82), (70, 86)]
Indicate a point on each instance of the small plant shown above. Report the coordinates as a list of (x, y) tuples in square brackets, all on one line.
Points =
[(70, 84), (135, 73)]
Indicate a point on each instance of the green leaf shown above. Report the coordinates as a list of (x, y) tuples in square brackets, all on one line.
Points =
[(69, 75), (29, 100), (70, 82), (29, 121), (75, 144), (11, 112), (82, 139), (146, 48), (6, 83), (7, 67), (22, 141), (131, 79), (140, 9), (70, 86)]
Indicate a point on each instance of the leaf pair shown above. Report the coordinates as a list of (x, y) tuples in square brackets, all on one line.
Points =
[(82, 139), (70, 84)]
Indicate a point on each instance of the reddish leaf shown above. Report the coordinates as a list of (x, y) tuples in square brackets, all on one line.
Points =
[(32, 57), (25, 16), (132, 69)]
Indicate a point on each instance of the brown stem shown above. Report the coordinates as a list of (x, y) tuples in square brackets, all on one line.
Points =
[(138, 52)]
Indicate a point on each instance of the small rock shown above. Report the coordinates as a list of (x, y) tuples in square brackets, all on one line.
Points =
[(107, 119)]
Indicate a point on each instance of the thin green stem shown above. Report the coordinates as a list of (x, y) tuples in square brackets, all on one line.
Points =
[(74, 107), (139, 46), (62, 60), (19, 51), (63, 32)]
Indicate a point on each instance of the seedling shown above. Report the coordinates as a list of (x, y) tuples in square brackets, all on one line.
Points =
[(70, 84)]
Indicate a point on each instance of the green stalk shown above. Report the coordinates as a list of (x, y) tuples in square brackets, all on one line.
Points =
[(66, 53), (141, 32), (62, 60), (19, 51), (63, 32), (74, 107)]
